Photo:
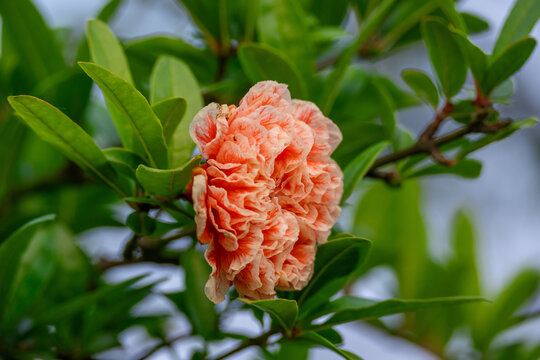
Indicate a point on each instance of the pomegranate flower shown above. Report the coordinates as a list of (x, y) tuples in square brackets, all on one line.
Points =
[(268, 192)]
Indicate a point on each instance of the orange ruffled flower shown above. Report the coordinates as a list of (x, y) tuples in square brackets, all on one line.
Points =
[(268, 193)]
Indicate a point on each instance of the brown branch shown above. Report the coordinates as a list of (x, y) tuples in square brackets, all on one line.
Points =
[(421, 147), (163, 344), (260, 340)]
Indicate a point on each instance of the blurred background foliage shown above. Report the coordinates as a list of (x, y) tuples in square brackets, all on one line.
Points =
[(56, 300)]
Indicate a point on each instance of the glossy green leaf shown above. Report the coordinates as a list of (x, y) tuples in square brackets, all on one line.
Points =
[(422, 85), (474, 23), (109, 10), (284, 311), (144, 53), (513, 297), (57, 129), (446, 56), (261, 62), (331, 335), (80, 303), (136, 114), (475, 57), (140, 223), (449, 8), (498, 136), (27, 259), (518, 24), (167, 183), (467, 168), (199, 309), (106, 50), (123, 160), (173, 78), (390, 307), (336, 260), (319, 340), (205, 15), (331, 88), (295, 35), (170, 112), (359, 167), (507, 63), (32, 39)]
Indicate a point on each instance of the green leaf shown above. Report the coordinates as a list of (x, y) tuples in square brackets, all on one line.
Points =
[(358, 168), (474, 23), (507, 63), (57, 129), (261, 62), (140, 223), (498, 136), (284, 311), (27, 259), (446, 56), (173, 78), (145, 52), (512, 298), (136, 114), (336, 260), (106, 50), (123, 160), (467, 168), (84, 302), (370, 25), (167, 183), (449, 8), (390, 307), (205, 15), (170, 112), (295, 35), (109, 10), (199, 309), (32, 39), (331, 335), (518, 24), (422, 85), (319, 340), (475, 57)]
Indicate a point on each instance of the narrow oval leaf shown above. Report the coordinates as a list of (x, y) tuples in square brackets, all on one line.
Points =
[(515, 294), (336, 260), (422, 85), (284, 311), (27, 266), (200, 310), (124, 161), (136, 114), (261, 62), (507, 63), (358, 168), (518, 24), (172, 78), (319, 340), (106, 51), (167, 183), (32, 39), (467, 168), (446, 56), (57, 129), (475, 57), (170, 112), (390, 307)]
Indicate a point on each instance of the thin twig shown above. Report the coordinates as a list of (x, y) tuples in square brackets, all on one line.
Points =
[(163, 344), (258, 341), (423, 148)]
